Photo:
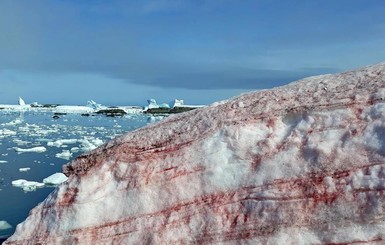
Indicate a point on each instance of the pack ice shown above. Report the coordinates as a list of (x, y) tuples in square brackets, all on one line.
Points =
[(298, 164)]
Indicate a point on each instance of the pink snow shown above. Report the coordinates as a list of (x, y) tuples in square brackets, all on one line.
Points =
[(298, 164)]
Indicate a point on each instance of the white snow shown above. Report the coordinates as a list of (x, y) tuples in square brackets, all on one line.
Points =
[(4, 225), (38, 149), (55, 179)]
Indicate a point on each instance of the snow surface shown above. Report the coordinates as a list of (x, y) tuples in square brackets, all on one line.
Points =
[(299, 164)]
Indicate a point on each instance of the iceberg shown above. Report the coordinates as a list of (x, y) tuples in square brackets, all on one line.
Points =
[(38, 149), (297, 164), (95, 106), (21, 101), (4, 225), (26, 185), (176, 103), (55, 179), (152, 104)]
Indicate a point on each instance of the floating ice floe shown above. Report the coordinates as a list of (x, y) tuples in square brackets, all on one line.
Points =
[(55, 179), (6, 132), (60, 143), (65, 154), (24, 169), (37, 149), (12, 123), (27, 185), (4, 225), (3, 161), (89, 144)]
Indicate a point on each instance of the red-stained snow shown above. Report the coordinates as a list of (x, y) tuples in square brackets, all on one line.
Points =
[(298, 164)]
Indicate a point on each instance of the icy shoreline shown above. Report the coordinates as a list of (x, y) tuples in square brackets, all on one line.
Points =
[(177, 106)]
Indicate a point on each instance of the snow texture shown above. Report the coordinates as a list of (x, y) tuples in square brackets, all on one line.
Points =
[(298, 164)]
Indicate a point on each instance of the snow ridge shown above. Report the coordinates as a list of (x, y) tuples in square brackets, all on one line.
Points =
[(299, 164)]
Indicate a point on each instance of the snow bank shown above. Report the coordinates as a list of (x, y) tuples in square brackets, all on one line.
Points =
[(299, 164)]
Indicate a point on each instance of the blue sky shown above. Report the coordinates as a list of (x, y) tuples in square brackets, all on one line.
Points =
[(120, 52)]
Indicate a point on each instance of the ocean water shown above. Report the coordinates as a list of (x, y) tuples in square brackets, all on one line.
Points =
[(72, 134)]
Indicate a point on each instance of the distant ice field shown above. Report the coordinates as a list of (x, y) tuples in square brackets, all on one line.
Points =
[(34, 146)]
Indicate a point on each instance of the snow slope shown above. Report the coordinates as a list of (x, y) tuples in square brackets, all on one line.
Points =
[(298, 164)]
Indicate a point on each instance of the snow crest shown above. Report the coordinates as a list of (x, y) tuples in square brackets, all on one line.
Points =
[(299, 164)]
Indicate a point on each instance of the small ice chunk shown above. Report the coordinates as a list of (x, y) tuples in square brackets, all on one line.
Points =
[(7, 132), (24, 169), (2, 161), (37, 149), (55, 179), (4, 225), (65, 154), (19, 182)]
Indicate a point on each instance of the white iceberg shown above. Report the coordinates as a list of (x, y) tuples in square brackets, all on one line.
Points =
[(176, 103), (152, 104), (92, 104), (21, 101), (55, 179), (38, 149), (4, 225)]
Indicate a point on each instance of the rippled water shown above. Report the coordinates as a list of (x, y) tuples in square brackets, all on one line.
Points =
[(23, 131)]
